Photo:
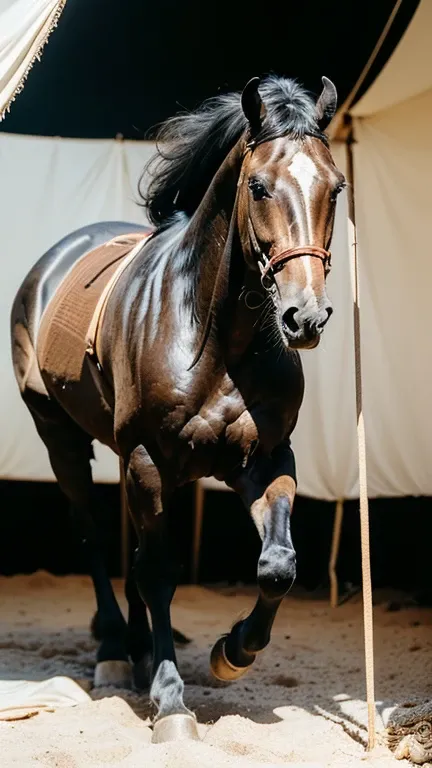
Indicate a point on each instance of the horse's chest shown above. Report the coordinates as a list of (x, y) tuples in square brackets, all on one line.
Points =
[(218, 438)]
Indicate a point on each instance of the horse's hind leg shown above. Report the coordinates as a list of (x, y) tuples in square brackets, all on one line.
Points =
[(156, 580), (70, 451)]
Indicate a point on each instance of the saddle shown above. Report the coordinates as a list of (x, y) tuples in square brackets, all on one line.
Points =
[(69, 326)]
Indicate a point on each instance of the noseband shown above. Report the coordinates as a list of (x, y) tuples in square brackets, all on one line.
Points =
[(271, 266)]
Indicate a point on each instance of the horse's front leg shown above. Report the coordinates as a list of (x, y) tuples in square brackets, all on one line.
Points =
[(155, 574), (268, 489)]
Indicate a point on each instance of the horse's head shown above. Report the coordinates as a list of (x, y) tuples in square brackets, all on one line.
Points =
[(286, 209)]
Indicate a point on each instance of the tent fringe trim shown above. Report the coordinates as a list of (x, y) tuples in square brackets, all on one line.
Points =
[(36, 57)]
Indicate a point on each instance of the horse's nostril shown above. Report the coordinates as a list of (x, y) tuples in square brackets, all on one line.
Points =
[(290, 321), (328, 313)]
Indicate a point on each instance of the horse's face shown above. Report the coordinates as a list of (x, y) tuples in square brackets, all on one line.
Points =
[(291, 198), (286, 210)]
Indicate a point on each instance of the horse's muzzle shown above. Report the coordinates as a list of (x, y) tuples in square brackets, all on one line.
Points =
[(303, 329)]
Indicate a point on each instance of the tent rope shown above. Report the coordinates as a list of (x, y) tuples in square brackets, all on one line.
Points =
[(364, 502)]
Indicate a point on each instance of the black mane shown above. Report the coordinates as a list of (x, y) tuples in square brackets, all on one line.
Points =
[(192, 146)]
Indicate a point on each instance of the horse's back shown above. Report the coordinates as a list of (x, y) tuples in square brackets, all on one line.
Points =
[(44, 278)]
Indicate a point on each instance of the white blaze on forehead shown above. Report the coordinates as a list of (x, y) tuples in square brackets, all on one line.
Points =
[(304, 171)]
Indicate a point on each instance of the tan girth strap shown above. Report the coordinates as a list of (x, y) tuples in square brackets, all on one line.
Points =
[(95, 322)]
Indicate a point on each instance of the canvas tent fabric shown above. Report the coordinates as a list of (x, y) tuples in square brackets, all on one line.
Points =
[(70, 183), (408, 72), (392, 172), (49, 187), (25, 26)]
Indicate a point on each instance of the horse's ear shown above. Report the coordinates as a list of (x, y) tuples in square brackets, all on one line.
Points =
[(326, 105), (252, 105)]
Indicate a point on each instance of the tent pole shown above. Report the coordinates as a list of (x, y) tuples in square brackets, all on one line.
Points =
[(337, 528), (364, 503), (197, 531)]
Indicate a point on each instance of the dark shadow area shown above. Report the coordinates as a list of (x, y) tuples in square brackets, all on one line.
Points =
[(121, 67), (35, 533)]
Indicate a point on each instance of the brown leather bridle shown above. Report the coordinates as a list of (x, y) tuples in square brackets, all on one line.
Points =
[(279, 260), (270, 266)]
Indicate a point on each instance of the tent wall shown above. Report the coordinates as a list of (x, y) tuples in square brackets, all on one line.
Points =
[(408, 72), (25, 26), (393, 172), (49, 187)]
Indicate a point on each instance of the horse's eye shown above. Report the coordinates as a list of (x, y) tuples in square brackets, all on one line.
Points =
[(258, 189)]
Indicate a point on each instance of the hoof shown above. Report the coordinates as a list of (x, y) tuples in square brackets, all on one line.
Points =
[(175, 728), (221, 668), (142, 673), (113, 673)]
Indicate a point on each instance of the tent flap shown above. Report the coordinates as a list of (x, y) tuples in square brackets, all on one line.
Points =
[(25, 26), (408, 72)]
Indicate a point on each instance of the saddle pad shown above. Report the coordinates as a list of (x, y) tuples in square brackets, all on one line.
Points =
[(62, 338)]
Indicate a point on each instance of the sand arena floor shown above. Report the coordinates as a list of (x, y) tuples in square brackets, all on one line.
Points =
[(302, 703)]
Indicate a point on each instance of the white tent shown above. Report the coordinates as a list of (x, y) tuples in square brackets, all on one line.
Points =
[(49, 187), (25, 26), (392, 126)]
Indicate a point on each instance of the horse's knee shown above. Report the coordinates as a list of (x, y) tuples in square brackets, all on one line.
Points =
[(276, 570), (277, 563)]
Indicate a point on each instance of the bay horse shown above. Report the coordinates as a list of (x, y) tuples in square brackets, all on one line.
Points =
[(190, 365)]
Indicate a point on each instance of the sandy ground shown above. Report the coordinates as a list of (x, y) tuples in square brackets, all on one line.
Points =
[(302, 703)]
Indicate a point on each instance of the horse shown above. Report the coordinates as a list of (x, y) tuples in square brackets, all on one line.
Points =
[(190, 365)]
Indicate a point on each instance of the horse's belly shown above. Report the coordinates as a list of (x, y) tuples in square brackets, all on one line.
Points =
[(85, 403)]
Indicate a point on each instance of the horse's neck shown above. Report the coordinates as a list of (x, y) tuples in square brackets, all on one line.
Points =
[(215, 257)]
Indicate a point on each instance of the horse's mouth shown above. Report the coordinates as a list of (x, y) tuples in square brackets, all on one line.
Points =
[(299, 341), (304, 343)]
